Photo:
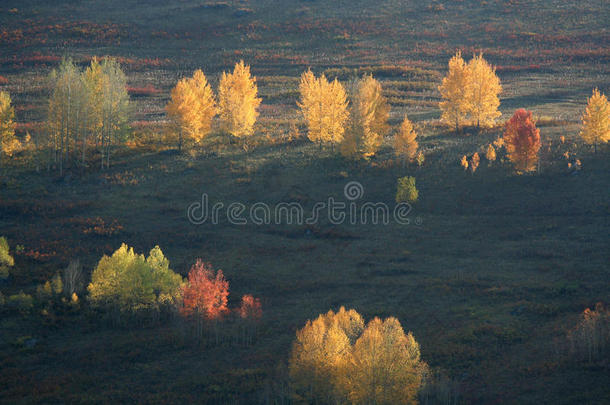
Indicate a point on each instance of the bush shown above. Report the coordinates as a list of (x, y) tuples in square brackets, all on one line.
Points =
[(6, 260), (21, 302), (130, 282), (406, 190), (589, 339)]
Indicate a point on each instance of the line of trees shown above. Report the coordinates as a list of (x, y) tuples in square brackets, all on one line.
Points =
[(90, 109)]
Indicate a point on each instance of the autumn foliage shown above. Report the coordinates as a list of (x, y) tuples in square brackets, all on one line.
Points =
[(250, 307), (470, 93), (238, 101), (596, 120), (324, 107), (405, 143), (522, 141), (336, 359), (369, 119), (205, 293), (192, 107), (7, 125)]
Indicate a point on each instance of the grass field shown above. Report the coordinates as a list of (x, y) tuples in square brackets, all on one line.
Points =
[(490, 274)]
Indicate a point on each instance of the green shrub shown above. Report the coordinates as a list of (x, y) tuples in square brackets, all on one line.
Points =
[(131, 282), (21, 302), (406, 190), (6, 260)]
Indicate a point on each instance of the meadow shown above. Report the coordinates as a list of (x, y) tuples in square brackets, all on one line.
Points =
[(492, 272)]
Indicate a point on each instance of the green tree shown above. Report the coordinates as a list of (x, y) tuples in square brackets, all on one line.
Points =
[(406, 190), (132, 282)]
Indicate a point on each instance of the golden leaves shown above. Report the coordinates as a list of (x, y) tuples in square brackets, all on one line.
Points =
[(596, 119)]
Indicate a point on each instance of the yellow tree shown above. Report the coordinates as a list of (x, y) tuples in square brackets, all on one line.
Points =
[(93, 82), (192, 107), (369, 119), (596, 120), (384, 366), (405, 143), (324, 107), (490, 154), (482, 96), (8, 141), (319, 351), (238, 102), (454, 90)]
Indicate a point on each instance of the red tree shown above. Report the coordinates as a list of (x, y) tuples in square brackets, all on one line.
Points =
[(205, 293), (250, 307), (522, 140)]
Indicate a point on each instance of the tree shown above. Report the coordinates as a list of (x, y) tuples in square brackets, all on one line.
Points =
[(6, 260), (131, 282), (384, 366), (335, 359), (115, 107), (406, 190), (522, 141), (405, 143), (8, 141), (63, 104), (93, 103), (73, 278), (369, 119), (324, 107), (319, 354), (250, 307), (238, 102), (464, 162), (474, 162), (192, 107), (482, 95), (93, 82), (596, 120), (205, 293), (490, 154), (454, 92)]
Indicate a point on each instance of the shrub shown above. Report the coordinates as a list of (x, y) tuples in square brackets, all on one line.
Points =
[(6, 260), (131, 282), (21, 302), (406, 190), (589, 339)]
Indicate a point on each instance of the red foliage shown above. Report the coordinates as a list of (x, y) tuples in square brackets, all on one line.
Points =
[(522, 140), (3, 80), (146, 91), (250, 307), (205, 293)]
